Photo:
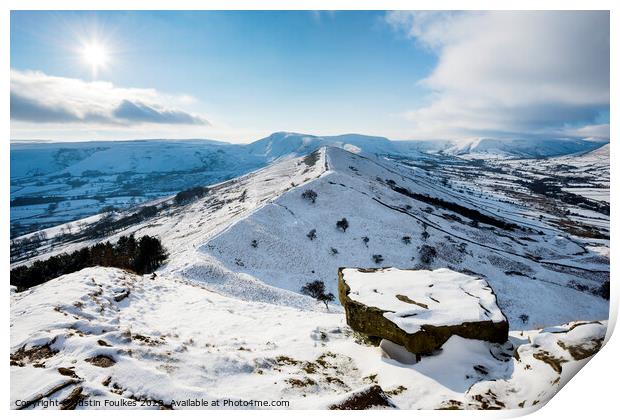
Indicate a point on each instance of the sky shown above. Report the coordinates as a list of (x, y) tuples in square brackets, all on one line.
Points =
[(240, 76)]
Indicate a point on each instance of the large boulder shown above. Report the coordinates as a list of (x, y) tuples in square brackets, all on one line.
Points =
[(420, 309)]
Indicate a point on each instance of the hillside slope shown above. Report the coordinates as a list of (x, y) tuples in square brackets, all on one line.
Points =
[(109, 339), (224, 318), (249, 237), (519, 262), (52, 183)]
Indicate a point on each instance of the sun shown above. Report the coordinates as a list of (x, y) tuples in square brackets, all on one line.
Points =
[(95, 55)]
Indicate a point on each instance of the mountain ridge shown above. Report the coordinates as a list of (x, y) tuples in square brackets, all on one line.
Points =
[(52, 183), (229, 238)]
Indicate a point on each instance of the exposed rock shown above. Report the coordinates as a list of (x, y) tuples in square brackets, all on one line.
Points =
[(582, 343), (67, 372), (420, 309), (101, 361), (551, 360), (371, 397), (32, 355), (122, 295), (583, 351), (46, 394), (73, 399)]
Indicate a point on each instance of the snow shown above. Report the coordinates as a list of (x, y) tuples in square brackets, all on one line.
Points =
[(440, 297), (209, 240), (224, 319), (143, 170), (592, 193), (521, 148), (173, 340)]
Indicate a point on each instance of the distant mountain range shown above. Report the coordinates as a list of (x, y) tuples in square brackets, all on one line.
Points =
[(52, 183), (145, 156), (285, 144)]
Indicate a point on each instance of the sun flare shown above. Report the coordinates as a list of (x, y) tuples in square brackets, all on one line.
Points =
[(95, 55)]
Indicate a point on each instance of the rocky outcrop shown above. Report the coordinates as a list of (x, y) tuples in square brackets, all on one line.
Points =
[(419, 309), (368, 398)]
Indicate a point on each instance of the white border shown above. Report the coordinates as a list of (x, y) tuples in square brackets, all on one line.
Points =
[(592, 394)]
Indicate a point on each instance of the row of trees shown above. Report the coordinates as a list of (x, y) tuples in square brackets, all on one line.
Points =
[(142, 256)]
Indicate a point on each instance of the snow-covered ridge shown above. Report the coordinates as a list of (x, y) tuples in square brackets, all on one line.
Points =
[(533, 148), (52, 183), (250, 237), (146, 156)]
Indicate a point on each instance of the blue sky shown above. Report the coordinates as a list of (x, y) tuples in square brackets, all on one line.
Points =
[(239, 76)]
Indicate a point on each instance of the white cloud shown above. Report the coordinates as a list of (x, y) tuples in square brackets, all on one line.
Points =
[(42, 99), (510, 73), (594, 131)]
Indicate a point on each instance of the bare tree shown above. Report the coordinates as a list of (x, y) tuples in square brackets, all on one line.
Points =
[(316, 289)]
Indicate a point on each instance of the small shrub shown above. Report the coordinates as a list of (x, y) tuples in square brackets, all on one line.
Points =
[(312, 234), (524, 318), (312, 158), (334, 251), (254, 243), (365, 239), (406, 240), (342, 224), (427, 254), (425, 235), (377, 258), (309, 195), (316, 289), (578, 286)]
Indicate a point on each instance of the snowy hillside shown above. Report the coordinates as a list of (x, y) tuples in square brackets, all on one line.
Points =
[(282, 144), (53, 183), (249, 237), (108, 339), (534, 148), (240, 255)]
